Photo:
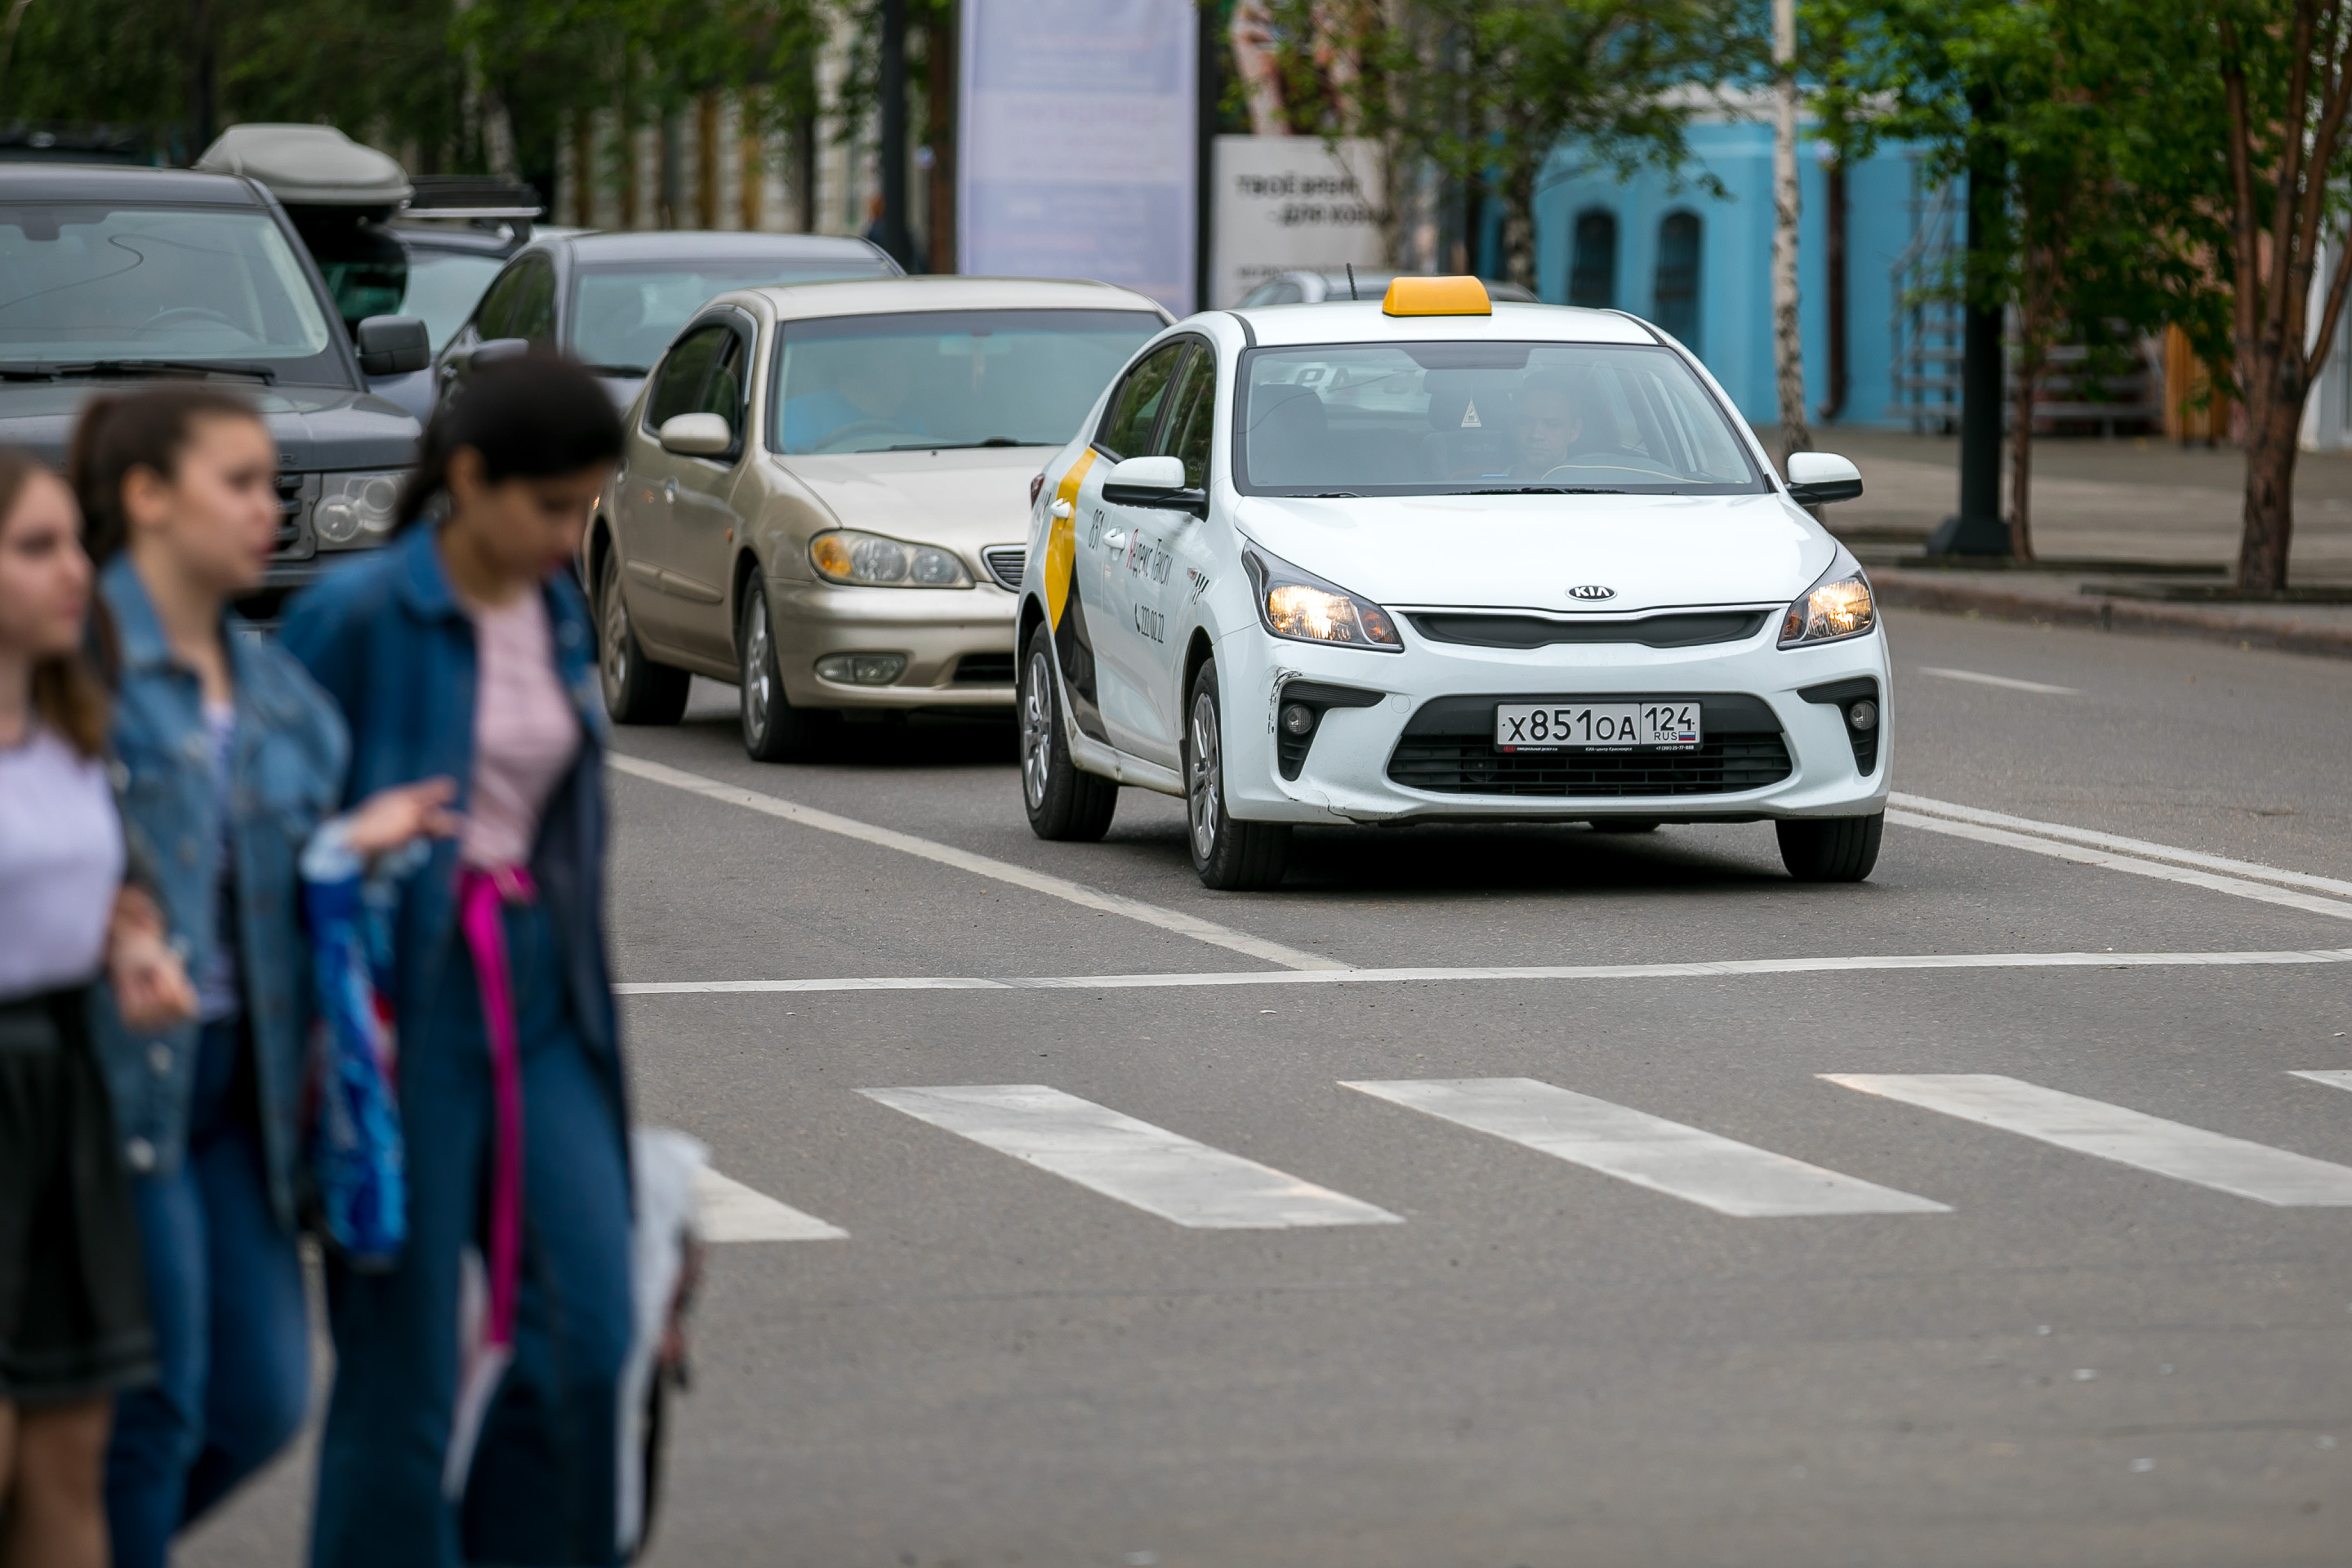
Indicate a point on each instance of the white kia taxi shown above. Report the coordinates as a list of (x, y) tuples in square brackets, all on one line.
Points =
[(1442, 559)]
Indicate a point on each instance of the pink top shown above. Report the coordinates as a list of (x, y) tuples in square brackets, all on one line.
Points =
[(525, 732)]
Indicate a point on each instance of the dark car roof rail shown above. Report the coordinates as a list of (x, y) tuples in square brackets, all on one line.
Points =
[(476, 197)]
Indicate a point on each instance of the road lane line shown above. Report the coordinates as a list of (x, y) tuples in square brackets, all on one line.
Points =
[(2222, 863), (2008, 682), (1077, 893), (2334, 1078), (1147, 1167), (1697, 971), (2106, 860), (733, 1212), (2132, 1137), (1701, 1167)]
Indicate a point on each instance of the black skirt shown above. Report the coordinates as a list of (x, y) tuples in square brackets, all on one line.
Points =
[(73, 1297)]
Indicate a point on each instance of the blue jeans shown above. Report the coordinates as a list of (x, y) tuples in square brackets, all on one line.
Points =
[(541, 1488), (232, 1333)]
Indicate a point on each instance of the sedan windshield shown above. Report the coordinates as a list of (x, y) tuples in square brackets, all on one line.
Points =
[(1449, 419), (86, 284), (627, 311), (945, 378)]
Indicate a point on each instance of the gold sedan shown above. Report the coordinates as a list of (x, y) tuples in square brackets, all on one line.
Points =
[(826, 493)]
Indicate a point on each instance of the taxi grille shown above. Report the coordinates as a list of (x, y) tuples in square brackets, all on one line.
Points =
[(1448, 749), (1005, 562)]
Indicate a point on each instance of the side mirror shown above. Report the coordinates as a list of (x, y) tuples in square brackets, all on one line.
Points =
[(392, 345), (697, 435), (484, 355), (1156, 482), (1817, 478)]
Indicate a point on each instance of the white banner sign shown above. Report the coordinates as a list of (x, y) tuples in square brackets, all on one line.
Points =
[(1078, 153), (1290, 203)]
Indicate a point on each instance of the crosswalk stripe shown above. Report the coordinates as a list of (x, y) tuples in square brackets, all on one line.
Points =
[(1149, 1167), (2334, 1078), (2112, 1132), (1714, 1171), (733, 1212)]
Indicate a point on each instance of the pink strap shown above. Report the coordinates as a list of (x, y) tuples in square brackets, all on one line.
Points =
[(481, 900)]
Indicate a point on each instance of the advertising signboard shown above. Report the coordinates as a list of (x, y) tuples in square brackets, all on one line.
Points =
[(1290, 203)]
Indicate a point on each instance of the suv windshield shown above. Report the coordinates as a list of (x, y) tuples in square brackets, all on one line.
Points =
[(945, 378), (90, 284), (1449, 419), (628, 311)]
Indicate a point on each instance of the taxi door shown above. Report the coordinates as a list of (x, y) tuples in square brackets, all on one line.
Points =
[(1103, 663), (1152, 588)]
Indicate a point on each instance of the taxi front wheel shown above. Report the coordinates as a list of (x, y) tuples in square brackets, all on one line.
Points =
[(1830, 848), (1063, 803), (1229, 855)]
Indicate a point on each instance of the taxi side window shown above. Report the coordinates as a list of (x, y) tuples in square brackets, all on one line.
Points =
[(1191, 419), (1134, 413), (684, 372)]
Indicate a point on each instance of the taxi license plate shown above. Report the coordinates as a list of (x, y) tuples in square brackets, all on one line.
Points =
[(1594, 726)]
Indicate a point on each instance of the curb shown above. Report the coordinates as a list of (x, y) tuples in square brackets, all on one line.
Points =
[(1923, 591)]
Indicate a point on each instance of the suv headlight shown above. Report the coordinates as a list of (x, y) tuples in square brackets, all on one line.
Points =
[(870, 561), (355, 509), (1305, 609), (1837, 606)]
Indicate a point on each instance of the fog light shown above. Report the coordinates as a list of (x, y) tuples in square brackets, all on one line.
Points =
[(1298, 718), (862, 668), (1862, 715)]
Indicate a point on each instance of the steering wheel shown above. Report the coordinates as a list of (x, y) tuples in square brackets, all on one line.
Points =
[(178, 314), (855, 428)]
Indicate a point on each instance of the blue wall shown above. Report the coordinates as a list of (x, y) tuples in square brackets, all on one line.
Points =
[(1735, 266)]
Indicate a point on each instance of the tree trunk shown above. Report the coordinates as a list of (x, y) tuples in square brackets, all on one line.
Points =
[(1788, 342), (2020, 442), (1519, 225), (2273, 421)]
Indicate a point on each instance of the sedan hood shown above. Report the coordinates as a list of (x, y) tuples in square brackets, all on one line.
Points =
[(1528, 551), (962, 499)]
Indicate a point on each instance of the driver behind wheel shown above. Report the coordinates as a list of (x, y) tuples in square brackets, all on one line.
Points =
[(868, 393), (1550, 414)]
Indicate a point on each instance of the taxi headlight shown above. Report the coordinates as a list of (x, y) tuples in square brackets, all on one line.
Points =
[(1839, 606), (870, 561), (355, 510), (1304, 607)]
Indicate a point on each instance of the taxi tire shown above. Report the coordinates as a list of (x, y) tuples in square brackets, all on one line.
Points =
[(1072, 806), (1830, 848), (774, 730), (637, 689), (1239, 857)]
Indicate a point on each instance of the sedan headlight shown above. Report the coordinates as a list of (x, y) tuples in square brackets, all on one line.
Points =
[(1305, 609), (1837, 606), (870, 561), (355, 510)]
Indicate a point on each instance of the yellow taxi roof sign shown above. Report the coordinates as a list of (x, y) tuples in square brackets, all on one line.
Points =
[(1437, 297)]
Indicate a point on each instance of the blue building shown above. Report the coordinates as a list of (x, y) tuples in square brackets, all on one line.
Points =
[(1701, 266)]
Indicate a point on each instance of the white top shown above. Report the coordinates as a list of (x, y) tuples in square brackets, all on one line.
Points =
[(525, 732), (60, 863)]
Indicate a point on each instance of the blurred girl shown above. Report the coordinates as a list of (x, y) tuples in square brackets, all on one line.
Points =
[(73, 1312), (464, 648), (233, 758)]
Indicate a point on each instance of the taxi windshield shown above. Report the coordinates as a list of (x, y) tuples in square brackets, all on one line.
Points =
[(945, 378), (1451, 419)]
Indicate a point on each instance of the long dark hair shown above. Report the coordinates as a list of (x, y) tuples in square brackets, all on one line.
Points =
[(146, 430), (533, 416), (68, 695)]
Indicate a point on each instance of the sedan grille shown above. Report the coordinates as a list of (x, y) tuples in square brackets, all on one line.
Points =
[(1005, 562), (1449, 749), (984, 670)]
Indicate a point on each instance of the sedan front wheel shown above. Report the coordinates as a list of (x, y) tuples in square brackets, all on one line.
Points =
[(774, 730)]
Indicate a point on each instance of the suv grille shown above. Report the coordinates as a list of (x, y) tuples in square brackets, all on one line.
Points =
[(1005, 562), (295, 493), (1448, 749)]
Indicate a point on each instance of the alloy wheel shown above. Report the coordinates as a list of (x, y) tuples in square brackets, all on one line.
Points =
[(759, 683), (1038, 728), (1201, 777), (616, 634)]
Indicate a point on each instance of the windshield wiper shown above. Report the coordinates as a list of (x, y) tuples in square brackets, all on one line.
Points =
[(1540, 490), (1330, 495), (959, 446), (107, 367)]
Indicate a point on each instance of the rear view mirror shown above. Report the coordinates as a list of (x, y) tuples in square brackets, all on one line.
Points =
[(697, 435), (1817, 478), (1157, 483), (392, 345)]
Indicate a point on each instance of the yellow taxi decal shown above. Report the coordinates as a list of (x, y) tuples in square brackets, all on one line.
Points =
[(1061, 538), (1437, 297)]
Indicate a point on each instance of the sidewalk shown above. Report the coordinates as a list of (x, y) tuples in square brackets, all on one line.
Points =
[(2133, 534)]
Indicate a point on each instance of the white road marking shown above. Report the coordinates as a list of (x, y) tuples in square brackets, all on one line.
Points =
[(1153, 1169), (1696, 971), (2222, 863), (2008, 682), (2333, 1077), (2112, 1133), (1713, 1171), (2109, 861), (733, 1212), (1077, 893)]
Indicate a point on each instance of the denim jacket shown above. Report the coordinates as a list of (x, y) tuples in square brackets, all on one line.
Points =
[(287, 762), (392, 645)]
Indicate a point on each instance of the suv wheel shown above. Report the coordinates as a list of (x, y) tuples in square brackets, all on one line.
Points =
[(1830, 848), (637, 689), (1229, 855), (774, 730), (1063, 800)]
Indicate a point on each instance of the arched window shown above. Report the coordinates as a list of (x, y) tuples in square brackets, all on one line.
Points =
[(1592, 271), (1677, 281)]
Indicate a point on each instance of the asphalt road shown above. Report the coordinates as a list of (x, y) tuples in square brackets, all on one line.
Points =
[(2111, 1338)]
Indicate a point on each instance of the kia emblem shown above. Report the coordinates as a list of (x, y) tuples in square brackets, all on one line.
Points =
[(1592, 591)]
